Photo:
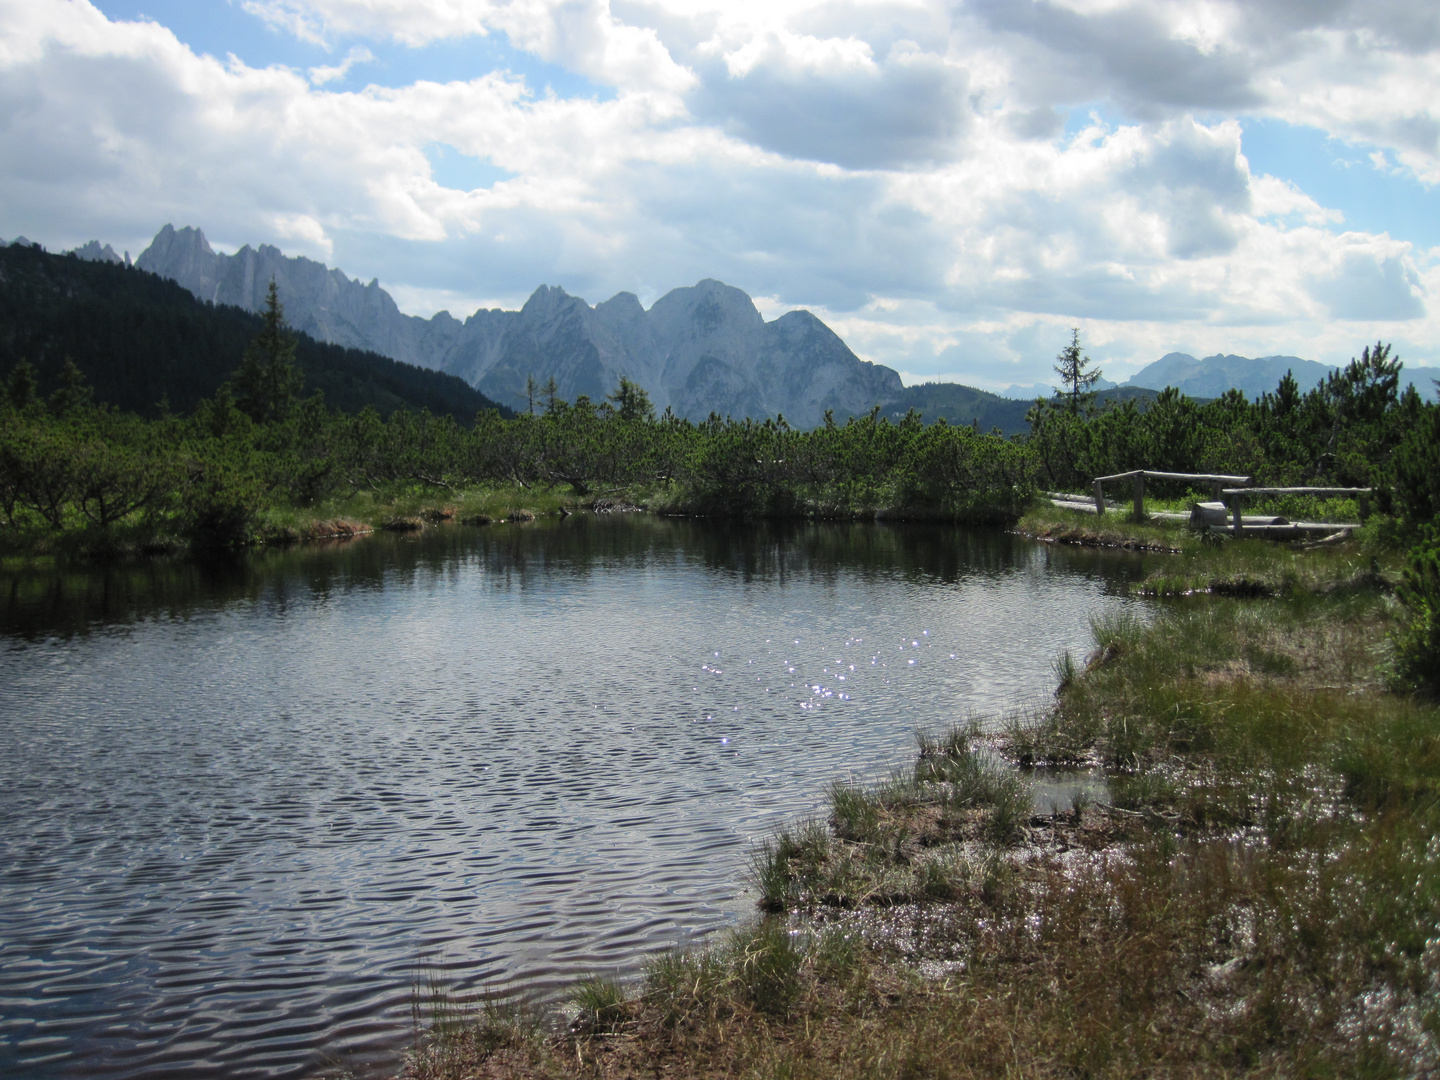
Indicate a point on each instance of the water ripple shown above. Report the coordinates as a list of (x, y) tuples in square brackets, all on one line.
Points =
[(246, 804)]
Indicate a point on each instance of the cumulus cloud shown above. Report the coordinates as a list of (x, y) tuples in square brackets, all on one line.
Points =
[(832, 101), (1369, 282), (583, 35), (325, 73), (901, 166)]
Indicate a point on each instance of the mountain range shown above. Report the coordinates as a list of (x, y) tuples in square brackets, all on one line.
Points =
[(1214, 375), (696, 350)]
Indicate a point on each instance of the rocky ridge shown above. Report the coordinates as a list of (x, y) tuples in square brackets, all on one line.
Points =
[(697, 350)]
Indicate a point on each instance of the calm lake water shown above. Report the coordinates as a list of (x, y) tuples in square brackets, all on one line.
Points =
[(243, 804)]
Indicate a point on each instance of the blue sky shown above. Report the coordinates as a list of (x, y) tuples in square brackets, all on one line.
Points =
[(220, 28), (1373, 197), (951, 186)]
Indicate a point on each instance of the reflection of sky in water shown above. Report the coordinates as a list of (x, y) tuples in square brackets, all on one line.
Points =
[(244, 811)]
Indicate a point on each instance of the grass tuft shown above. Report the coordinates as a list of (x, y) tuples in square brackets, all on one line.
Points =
[(600, 1005), (453, 1035)]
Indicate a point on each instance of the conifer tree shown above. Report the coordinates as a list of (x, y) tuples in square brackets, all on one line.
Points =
[(73, 393), (1071, 365), (631, 401), (553, 402), (267, 383), (21, 389)]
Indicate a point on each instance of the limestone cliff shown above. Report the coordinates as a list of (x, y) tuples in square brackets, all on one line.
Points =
[(697, 350)]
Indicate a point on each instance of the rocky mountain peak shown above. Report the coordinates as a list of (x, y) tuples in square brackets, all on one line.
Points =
[(698, 349), (93, 252)]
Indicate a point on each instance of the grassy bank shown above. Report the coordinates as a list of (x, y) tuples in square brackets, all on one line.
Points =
[(81, 479), (399, 508), (1247, 882), (1056, 525), (412, 508)]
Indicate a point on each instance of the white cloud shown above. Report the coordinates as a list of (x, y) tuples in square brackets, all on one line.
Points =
[(323, 74), (896, 165), (581, 34)]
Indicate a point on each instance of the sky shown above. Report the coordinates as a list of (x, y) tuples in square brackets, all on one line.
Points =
[(951, 186)]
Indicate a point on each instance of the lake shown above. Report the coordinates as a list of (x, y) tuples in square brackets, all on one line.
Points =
[(245, 803)]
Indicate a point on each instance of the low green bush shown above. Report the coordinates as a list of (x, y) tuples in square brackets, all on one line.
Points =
[(1417, 640)]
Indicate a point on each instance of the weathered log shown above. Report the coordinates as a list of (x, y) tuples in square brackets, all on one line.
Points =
[(1326, 491), (1205, 514)]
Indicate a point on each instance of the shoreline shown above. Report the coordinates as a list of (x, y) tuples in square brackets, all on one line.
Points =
[(1259, 782), (345, 520)]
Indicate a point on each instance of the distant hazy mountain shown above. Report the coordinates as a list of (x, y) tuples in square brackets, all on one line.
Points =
[(960, 404), (1212, 376), (1029, 393), (966, 405), (93, 252), (696, 350), (318, 301)]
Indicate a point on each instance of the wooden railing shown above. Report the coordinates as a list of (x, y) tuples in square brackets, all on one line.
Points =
[(1217, 485), (1234, 496)]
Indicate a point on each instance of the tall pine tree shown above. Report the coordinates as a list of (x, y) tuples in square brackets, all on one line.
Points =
[(1072, 366), (267, 383)]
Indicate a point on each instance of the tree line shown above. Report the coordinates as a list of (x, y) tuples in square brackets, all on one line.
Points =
[(69, 464), (1355, 429)]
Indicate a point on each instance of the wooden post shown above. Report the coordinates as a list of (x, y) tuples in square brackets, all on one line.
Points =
[(1235, 507), (1215, 487), (1099, 500), (1139, 496), (1364, 501)]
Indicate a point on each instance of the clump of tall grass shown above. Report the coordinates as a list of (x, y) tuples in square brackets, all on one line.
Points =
[(875, 851), (752, 968), (453, 1035), (687, 986), (600, 1005), (782, 864), (855, 812), (1114, 634), (766, 962), (966, 778)]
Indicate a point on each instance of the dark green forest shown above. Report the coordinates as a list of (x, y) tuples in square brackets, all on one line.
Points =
[(145, 344)]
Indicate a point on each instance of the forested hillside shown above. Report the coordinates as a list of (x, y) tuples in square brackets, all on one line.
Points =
[(958, 404), (141, 340)]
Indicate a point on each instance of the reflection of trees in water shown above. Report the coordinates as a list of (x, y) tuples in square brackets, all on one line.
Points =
[(71, 600)]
